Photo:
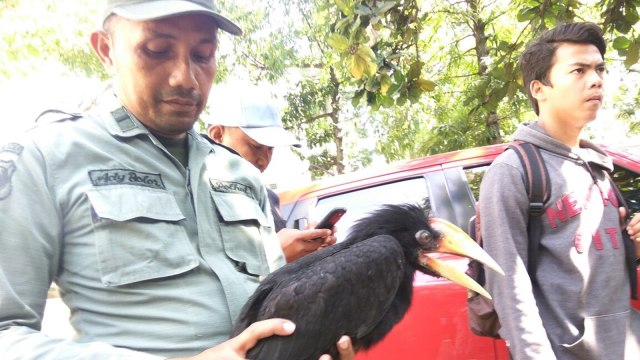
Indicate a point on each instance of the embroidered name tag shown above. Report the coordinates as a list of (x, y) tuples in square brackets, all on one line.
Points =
[(125, 177), (230, 187)]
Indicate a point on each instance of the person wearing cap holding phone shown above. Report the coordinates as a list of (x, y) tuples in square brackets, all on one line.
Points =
[(244, 118), (154, 236)]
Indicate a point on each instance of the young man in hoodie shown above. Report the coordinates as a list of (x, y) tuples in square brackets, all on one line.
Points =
[(577, 306)]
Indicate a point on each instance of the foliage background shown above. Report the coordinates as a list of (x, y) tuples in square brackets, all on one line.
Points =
[(359, 81)]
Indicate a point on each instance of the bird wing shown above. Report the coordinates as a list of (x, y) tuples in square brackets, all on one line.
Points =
[(251, 309), (346, 290)]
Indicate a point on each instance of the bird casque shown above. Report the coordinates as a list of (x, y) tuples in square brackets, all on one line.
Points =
[(360, 287)]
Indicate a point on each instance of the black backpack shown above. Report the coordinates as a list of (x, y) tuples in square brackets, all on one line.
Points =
[(483, 319)]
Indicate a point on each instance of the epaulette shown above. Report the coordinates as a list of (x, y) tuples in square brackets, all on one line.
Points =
[(53, 115), (213, 142)]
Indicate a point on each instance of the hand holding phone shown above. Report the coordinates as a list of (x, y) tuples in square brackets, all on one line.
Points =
[(330, 220)]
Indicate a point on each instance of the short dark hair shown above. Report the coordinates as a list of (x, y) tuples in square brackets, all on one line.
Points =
[(538, 57)]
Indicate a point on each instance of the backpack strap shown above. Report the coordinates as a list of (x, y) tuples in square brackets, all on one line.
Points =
[(629, 246), (538, 186), (537, 181)]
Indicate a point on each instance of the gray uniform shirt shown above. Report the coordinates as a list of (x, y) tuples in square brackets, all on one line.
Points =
[(150, 257), (580, 306)]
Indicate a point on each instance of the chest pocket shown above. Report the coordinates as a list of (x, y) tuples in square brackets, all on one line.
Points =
[(242, 225), (139, 235)]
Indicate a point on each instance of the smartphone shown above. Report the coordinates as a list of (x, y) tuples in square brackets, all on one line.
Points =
[(331, 218)]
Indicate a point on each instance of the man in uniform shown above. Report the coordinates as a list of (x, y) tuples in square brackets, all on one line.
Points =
[(154, 237), (244, 118)]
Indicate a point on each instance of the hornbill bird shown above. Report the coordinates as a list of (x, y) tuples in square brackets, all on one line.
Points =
[(360, 287)]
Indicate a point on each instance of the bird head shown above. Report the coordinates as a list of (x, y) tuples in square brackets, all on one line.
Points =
[(422, 236)]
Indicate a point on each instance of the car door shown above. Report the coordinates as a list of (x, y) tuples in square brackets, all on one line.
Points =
[(435, 327), (436, 322)]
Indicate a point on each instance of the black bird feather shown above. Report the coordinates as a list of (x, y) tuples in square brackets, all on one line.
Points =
[(360, 287)]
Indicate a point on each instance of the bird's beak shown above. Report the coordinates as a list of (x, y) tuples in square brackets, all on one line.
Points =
[(455, 241)]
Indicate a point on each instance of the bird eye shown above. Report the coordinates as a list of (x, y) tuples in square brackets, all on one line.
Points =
[(424, 237)]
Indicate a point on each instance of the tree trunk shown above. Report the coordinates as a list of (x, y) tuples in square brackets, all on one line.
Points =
[(335, 119), (478, 26)]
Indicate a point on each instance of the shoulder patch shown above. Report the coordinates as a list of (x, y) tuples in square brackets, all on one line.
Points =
[(13, 148), (7, 168), (122, 117), (8, 153)]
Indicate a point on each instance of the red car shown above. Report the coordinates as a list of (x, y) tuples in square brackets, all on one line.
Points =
[(436, 322)]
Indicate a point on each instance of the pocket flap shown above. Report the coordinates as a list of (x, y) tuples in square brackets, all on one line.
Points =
[(238, 207), (122, 203)]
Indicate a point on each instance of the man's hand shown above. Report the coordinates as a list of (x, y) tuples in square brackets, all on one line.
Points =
[(633, 229), (237, 347), (345, 349), (298, 243)]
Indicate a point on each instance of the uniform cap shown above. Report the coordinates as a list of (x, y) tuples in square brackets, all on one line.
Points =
[(250, 109), (144, 10)]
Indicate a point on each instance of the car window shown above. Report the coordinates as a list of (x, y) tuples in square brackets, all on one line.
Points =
[(627, 181), (474, 178), (417, 190), (362, 201), (629, 184)]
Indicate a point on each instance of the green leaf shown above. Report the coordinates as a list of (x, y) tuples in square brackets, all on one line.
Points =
[(362, 62), (385, 83), (621, 42), (401, 100), (372, 84), (33, 51), (338, 42), (633, 54), (365, 52), (356, 66), (399, 77), (414, 93), (355, 26), (387, 101), (623, 27), (343, 23), (357, 97), (503, 46), (383, 7), (371, 98), (631, 15), (345, 6), (426, 85), (414, 69), (498, 94), (395, 86), (527, 14), (364, 10), (468, 100), (481, 90)]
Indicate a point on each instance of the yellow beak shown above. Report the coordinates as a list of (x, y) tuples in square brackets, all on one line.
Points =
[(455, 241)]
